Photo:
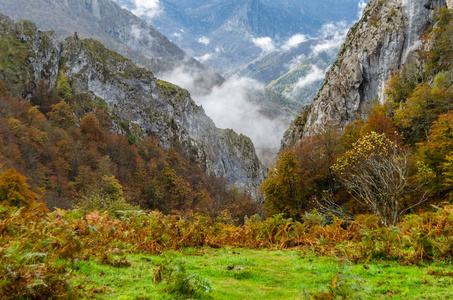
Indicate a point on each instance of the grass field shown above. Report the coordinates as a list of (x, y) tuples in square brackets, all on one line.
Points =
[(264, 274)]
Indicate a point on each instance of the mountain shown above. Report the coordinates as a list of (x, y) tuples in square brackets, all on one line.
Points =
[(375, 47), (89, 77), (296, 73), (228, 34), (118, 29)]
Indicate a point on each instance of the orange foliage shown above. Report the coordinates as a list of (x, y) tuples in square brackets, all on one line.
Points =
[(14, 189), (64, 163), (3, 90)]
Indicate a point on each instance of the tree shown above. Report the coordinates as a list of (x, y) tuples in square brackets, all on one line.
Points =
[(375, 171), (441, 37), (14, 189), (281, 190), (3, 90), (61, 115), (435, 152), (42, 96), (91, 130), (448, 175), (380, 123), (422, 108), (302, 176)]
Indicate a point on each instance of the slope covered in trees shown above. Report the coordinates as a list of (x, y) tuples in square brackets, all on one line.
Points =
[(66, 162), (398, 158)]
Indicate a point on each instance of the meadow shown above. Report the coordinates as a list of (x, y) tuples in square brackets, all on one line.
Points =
[(148, 255)]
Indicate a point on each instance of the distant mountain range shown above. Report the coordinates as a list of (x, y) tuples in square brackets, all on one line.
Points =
[(228, 34), (285, 45)]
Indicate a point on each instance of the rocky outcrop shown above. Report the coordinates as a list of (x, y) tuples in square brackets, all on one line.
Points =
[(118, 29), (433, 4), (375, 47), (136, 102)]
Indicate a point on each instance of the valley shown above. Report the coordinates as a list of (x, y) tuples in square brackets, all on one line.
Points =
[(173, 149)]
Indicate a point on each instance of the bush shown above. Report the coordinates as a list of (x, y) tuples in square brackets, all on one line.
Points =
[(179, 283)]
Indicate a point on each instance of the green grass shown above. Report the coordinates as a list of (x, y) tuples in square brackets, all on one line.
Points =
[(268, 275)]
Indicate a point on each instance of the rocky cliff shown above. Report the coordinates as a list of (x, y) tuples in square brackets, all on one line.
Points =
[(116, 28), (136, 102), (375, 47)]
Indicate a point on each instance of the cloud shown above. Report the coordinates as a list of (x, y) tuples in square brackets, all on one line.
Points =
[(182, 78), (147, 8), (265, 43), (315, 74), (296, 61), (362, 4), (205, 57), (136, 32), (140, 34), (294, 41), (230, 106), (204, 40), (333, 35), (176, 34)]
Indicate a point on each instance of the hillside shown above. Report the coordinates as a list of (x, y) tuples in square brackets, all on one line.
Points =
[(377, 138), (90, 78), (116, 185), (296, 73)]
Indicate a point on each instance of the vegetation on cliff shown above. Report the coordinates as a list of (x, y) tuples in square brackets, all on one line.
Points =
[(396, 159)]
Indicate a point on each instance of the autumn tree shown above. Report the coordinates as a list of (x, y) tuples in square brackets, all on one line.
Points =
[(435, 152), (422, 108), (90, 129), (375, 171), (380, 122), (352, 133), (447, 166), (42, 96), (14, 189), (303, 176), (3, 90), (440, 54), (61, 115), (282, 190)]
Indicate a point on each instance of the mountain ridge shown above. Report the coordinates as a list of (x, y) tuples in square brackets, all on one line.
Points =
[(226, 35)]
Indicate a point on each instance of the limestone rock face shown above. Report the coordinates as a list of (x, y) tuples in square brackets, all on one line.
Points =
[(135, 100), (375, 47)]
